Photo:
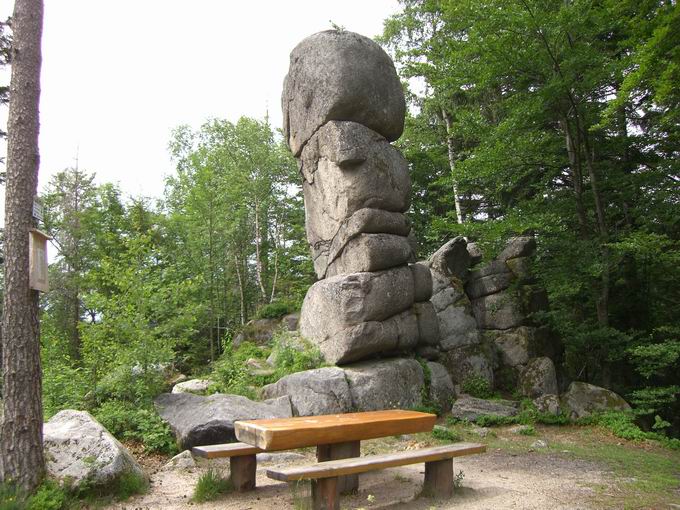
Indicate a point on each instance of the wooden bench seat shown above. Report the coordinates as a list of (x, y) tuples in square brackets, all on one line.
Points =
[(217, 451), (324, 475), (242, 461)]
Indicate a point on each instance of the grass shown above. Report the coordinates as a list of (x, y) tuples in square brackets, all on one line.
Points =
[(210, 486)]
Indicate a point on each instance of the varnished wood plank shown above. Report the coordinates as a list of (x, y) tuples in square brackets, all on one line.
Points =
[(336, 468), (290, 433), (346, 484), (215, 451)]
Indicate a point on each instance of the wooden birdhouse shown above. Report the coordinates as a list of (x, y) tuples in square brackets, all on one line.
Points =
[(37, 246)]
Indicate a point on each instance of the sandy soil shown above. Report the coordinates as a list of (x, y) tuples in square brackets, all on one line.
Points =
[(496, 480)]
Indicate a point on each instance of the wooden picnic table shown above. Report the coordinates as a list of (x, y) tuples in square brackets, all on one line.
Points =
[(336, 436)]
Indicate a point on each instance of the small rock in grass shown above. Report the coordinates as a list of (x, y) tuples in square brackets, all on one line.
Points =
[(182, 461), (540, 443), (481, 431), (519, 429)]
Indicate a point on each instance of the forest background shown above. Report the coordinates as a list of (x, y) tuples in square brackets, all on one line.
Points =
[(556, 118)]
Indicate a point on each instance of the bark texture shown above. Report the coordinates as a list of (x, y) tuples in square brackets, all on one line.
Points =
[(21, 434)]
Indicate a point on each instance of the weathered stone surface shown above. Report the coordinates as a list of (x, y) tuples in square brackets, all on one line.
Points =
[(475, 253), (258, 331), (79, 449), (442, 392), (457, 328), (471, 408), (498, 311), (442, 282), (514, 346), (521, 246), (428, 323), (197, 386), (337, 303), (340, 75), (197, 420), (520, 267), (452, 259), (292, 340), (582, 399), (538, 378), (290, 322), (428, 352), (468, 361), (493, 267), (364, 221), (181, 462), (314, 392), (548, 404), (385, 384), (422, 282), (335, 189), (371, 252), (488, 285), (394, 334)]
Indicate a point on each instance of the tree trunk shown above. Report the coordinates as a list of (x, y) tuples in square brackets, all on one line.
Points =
[(452, 165), (21, 445), (259, 267), (241, 290)]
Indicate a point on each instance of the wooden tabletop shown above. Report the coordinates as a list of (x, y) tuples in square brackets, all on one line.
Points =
[(290, 433)]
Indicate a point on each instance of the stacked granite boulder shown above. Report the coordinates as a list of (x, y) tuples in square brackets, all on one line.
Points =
[(342, 105), (370, 311), (485, 319)]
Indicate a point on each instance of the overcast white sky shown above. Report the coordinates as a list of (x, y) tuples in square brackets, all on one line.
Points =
[(118, 76)]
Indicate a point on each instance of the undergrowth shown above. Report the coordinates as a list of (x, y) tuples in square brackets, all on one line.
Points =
[(210, 486)]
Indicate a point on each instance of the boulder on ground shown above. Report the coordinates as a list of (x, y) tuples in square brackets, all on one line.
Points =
[(181, 462), (452, 259), (498, 311), (314, 392), (442, 392), (394, 383), (198, 386), (340, 75), (514, 346), (78, 450), (197, 420), (290, 321), (471, 408), (548, 404), (538, 378), (582, 399)]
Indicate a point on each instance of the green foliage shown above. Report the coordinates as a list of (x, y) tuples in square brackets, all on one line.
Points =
[(529, 430), (210, 486), (49, 496), (445, 434), (11, 498), (129, 484), (477, 386), (276, 310), (623, 425), (127, 421), (291, 359)]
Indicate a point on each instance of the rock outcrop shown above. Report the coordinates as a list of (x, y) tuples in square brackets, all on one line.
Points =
[(343, 104), (471, 408), (79, 450), (197, 386), (196, 420)]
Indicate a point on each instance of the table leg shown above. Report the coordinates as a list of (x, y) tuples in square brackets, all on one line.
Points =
[(325, 494), (348, 484), (243, 470), (439, 478)]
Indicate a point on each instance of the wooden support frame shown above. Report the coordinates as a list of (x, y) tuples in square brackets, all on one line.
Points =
[(346, 484), (438, 479), (325, 494), (243, 472)]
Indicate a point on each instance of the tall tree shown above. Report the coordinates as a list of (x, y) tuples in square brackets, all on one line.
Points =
[(21, 438)]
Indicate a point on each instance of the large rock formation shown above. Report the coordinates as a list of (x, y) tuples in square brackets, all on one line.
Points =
[(342, 105)]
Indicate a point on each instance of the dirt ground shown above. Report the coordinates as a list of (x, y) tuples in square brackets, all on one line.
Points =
[(502, 478)]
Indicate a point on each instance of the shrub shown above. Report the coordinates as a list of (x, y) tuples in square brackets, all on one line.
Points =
[(126, 421), (49, 496), (129, 484), (529, 430), (210, 486), (477, 386), (445, 434), (11, 498), (275, 310)]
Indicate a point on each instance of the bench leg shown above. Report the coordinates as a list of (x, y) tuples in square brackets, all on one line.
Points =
[(325, 494), (348, 484), (439, 479), (243, 470)]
